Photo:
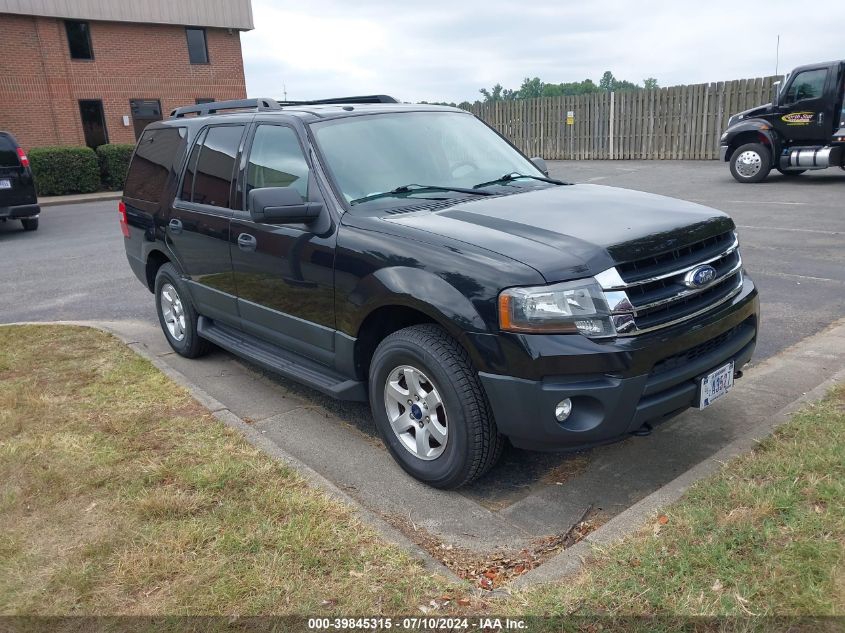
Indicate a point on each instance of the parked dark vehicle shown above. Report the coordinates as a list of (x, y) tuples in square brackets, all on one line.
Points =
[(410, 256), (17, 187), (803, 128)]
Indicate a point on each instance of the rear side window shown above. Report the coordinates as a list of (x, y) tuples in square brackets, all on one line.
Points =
[(211, 167), (8, 152), (157, 153)]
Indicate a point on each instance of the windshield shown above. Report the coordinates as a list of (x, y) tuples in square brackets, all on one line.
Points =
[(374, 154)]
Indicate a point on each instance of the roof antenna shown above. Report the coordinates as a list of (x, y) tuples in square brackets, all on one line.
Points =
[(285, 90), (777, 55)]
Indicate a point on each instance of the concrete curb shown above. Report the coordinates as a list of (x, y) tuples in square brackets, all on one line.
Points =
[(570, 561), (256, 439), (53, 201)]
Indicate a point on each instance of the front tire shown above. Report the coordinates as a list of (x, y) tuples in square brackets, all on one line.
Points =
[(751, 162), (177, 315), (430, 408), (30, 224)]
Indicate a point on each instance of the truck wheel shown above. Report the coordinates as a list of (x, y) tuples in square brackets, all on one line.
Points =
[(176, 314), (430, 408), (30, 224), (791, 173), (751, 163)]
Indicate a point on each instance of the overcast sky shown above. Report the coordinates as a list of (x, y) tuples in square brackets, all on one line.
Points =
[(441, 50)]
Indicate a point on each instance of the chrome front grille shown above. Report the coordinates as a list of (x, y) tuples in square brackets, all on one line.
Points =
[(663, 290)]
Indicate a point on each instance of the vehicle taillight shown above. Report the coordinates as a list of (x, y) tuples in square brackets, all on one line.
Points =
[(22, 157), (124, 221)]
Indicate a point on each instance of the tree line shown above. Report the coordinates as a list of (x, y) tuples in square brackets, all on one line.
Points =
[(533, 88)]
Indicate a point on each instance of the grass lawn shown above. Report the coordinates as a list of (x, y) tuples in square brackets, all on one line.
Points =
[(120, 494)]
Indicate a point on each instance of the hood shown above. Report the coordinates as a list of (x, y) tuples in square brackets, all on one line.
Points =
[(573, 231), (750, 113)]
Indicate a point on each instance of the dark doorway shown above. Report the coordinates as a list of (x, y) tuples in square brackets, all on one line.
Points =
[(93, 122), (144, 112)]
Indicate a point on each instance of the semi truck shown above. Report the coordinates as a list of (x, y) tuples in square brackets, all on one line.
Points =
[(802, 129)]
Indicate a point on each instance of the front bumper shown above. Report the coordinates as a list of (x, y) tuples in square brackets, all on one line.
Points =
[(617, 386), (723, 152), (19, 212)]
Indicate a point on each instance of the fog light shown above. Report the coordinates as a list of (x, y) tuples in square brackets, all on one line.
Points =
[(563, 409)]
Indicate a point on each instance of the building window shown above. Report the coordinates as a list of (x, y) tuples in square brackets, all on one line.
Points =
[(79, 39), (197, 46), (200, 100), (144, 112)]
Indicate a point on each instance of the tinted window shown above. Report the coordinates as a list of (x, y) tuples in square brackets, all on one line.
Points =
[(197, 48), (216, 165), (79, 39), (191, 168), (808, 84), (8, 152), (93, 122), (157, 151), (276, 160)]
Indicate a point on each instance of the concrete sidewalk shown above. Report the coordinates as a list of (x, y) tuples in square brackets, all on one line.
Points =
[(338, 441), (97, 196)]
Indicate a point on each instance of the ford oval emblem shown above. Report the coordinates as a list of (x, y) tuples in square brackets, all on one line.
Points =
[(700, 276)]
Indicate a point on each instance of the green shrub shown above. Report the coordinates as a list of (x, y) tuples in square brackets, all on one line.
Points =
[(114, 162), (62, 170)]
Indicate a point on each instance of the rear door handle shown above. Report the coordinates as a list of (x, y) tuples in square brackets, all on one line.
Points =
[(247, 242), (175, 225)]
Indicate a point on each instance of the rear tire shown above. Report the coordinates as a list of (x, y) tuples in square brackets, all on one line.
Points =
[(445, 406), (30, 224), (751, 162), (791, 174), (177, 315)]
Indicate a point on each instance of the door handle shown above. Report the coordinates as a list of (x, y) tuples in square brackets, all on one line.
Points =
[(175, 225), (247, 242)]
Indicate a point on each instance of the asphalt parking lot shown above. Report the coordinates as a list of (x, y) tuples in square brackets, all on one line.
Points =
[(792, 235)]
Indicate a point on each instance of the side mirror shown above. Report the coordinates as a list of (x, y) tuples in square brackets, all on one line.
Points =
[(281, 205), (540, 164), (776, 93)]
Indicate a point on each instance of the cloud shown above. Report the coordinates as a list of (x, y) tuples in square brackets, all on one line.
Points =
[(445, 51)]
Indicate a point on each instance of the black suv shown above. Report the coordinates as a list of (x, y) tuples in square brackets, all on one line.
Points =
[(17, 187), (411, 256)]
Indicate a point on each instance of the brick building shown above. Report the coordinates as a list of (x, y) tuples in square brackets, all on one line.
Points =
[(94, 72)]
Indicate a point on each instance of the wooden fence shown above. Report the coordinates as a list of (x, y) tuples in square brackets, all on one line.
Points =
[(682, 122)]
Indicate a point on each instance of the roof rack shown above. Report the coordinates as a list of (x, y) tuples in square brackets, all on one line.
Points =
[(341, 100), (265, 104), (236, 104)]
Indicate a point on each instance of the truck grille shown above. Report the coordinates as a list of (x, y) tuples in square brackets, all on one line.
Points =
[(662, 290)]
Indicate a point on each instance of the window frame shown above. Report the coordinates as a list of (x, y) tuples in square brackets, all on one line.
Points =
[(204, 42), (202, 134), (87, 37)]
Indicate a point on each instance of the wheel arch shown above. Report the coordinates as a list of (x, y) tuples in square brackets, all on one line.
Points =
[(155, 259), (401, 297), (753, 132)]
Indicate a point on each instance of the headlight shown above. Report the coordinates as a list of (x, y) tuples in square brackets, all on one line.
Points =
[(572, 306)]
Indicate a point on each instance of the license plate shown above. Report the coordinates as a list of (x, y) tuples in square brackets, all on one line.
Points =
[(716, 384), (5, 184)]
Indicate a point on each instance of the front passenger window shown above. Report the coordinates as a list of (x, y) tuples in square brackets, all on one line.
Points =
[(276, 160)]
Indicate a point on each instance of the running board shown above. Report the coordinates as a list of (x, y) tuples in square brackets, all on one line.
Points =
[(281, 361)]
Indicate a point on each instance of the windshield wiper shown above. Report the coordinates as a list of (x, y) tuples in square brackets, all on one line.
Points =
[(516, 176), (415, 188)]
